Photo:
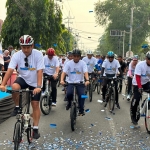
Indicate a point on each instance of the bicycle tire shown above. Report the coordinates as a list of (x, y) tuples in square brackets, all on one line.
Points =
[(98, 87), (112, 98), (94, 85), (17, 137), (147, 118), (29, 133), (90, 92), (44, 102), (126, 90), (73, 116)]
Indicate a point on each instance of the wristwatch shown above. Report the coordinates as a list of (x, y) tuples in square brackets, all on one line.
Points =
[(39, 86), (86, 80)]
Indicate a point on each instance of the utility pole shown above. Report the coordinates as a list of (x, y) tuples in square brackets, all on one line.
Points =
[(131, 28), (69, 29)]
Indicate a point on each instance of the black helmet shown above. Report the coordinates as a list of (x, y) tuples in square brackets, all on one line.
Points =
[(148, 54), (76, 52), (69, 53)]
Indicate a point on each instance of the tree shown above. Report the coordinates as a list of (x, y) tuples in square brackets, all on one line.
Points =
[(116, 15)]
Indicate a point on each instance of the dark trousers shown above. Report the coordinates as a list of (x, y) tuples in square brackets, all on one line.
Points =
[(53, 87), (137, 96), (129, 85), (80, 91), (104, 89)]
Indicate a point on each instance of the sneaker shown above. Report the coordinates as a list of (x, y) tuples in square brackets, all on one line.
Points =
[(118, 106), (15, 111), (81, 114), (43, 93), (36, 134), (134, 122), (54, 104), (128, 97)]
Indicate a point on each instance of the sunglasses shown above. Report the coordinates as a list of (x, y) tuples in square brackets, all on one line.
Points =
[(110, 57), (26, 62)]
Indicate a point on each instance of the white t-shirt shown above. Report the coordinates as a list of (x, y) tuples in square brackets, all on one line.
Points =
[(35, 61), (75, 71), (50, 65), (111, 67), (144, 71), (131, 68), (90, 63)]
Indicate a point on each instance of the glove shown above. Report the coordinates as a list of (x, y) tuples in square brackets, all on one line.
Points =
[(140, 90)]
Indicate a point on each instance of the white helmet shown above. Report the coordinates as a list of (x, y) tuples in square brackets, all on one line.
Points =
[(26, 40), (89, 52)]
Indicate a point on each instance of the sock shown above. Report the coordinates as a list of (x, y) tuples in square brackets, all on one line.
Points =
[(17, 106), (35, 127)]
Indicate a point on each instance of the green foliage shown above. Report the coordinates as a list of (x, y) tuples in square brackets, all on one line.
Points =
[(116, 15), (42, 19)]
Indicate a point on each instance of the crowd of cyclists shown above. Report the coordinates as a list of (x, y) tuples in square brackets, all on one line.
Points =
[(32, 65)]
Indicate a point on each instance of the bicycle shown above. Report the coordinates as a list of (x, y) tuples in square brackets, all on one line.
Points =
[(23, 124), (74, 105), (143, 110), (46, 99), (110, 94)]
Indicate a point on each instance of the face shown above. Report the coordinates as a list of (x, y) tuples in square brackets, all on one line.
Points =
[(70, 57), (148, 61), (76, 58), (27, 49), (63, 60), (110, 59), (10, 49), (50, 56), (135, 62), (89, 56), (119, 59)]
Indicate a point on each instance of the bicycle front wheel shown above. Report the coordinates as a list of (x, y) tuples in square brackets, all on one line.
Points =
[(111, 101), (98, 87), (17, 137), (29, 133), (73, 112), (147, 117), (45, 104)]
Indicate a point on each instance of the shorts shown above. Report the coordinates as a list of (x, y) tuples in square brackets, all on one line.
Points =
[(24, 85)]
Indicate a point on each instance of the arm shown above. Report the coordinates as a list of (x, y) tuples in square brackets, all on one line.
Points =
[(63, 76), (120, 71), (102, 72), (39, 78), (138, 80), (86, 76)]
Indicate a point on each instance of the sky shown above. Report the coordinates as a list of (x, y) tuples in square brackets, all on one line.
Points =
[(83, 25)]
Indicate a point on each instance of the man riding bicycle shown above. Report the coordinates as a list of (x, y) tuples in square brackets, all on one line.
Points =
[(141, 82), (30, 68), (51, 69), (111, 67), (76, 70)]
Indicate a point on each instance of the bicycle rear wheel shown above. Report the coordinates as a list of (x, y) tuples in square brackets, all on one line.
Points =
[(17, 137), (45, 104), (147, 117), (90, 92), (112, 97), (29, 133), (73, 113)]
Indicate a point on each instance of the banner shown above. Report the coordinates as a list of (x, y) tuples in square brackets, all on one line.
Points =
[(1, 54), (129, 54)]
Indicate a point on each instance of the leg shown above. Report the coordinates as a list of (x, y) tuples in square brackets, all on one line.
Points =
[(18, 84), (134, 104), (120, 87), (54, 91), (70, 93), (129, 85), (36, 113), (104, 88), (80, 92), (116, 93)]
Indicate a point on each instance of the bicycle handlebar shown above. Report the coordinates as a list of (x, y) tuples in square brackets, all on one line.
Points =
[(19, 91)]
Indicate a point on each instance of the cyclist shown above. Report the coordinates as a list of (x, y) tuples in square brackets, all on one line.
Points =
[(123, 69), (30, 67), (51, 68), (141, 82), (130, 74), (110, 66), (76, 70)]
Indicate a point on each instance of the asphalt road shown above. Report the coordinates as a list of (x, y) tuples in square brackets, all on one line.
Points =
[(97, 130)]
